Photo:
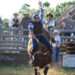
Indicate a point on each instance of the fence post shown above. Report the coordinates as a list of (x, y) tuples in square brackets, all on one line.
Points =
[(0, 27)]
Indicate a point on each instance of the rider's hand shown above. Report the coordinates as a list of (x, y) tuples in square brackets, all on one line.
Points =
[(33, 36), (31, 53), (37, 40), (40, 3)]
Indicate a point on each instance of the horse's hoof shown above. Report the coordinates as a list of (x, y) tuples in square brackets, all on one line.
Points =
[(39, 73)]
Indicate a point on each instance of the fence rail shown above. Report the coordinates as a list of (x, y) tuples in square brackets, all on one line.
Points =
[(12, 29), (18, 42), (13, 42)]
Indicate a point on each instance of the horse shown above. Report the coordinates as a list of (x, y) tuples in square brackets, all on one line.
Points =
[(42, 57)]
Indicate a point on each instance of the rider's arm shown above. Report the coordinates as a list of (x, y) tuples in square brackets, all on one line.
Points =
[(41, 14), (33, 36), (30, 27)]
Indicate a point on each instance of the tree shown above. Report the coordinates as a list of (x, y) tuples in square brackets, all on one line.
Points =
[(6, 22), (62, 8), (46, 4), (25, 7), (57, 11)]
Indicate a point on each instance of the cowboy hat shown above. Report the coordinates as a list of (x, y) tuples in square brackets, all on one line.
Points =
[(49, 15), (26, 12), (15, 13), (56, 31)]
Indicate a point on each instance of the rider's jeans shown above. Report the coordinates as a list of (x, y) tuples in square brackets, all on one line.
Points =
[(43, 40)]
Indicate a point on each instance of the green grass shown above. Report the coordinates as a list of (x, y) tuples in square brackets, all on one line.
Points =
[(26, 70), (15, 70), (67, 70)]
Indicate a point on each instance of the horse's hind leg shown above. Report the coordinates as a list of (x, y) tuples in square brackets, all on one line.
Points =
[(35, 71), (46, 70)]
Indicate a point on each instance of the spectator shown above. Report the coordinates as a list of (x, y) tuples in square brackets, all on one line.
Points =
[(14, 23), (57, 46), (67, 23), (25, 22), (0, 26), (0, 21), (50, 23)]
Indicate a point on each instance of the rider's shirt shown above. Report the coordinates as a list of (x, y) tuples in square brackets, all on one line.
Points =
[(36, 27)]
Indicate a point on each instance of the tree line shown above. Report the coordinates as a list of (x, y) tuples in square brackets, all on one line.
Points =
[(57, 11)]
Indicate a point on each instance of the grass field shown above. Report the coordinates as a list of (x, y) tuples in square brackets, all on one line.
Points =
[(26, 70)]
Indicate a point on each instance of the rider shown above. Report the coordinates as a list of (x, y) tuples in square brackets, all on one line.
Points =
[(36, 31)]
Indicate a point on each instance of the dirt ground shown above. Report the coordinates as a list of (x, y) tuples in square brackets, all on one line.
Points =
[(41, 74), (26, 70)]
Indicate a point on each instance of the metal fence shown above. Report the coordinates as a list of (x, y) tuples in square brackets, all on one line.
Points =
[(18, 42), (67, 41), (62, 32), (12, 41)]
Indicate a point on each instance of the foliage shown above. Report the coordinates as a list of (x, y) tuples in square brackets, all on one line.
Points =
[(46, 4), (6, 22), (62, 7), (57, 11), (25, 7)]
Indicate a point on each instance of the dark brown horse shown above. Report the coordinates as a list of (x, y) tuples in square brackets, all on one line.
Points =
[(42, 57)]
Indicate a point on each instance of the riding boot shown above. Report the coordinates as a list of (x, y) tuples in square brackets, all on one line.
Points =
[(46, 70), (36, 73)]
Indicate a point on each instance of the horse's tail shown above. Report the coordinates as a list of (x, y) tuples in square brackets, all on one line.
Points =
[(29, 45), (48, 36)]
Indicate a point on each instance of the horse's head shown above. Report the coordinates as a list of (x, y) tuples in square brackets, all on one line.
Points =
[(47, 35)]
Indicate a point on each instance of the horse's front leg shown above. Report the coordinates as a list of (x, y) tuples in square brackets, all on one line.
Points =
[(46, 69), (36, 71)]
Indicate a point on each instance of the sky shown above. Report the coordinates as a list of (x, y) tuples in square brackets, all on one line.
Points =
[(8, 7)]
